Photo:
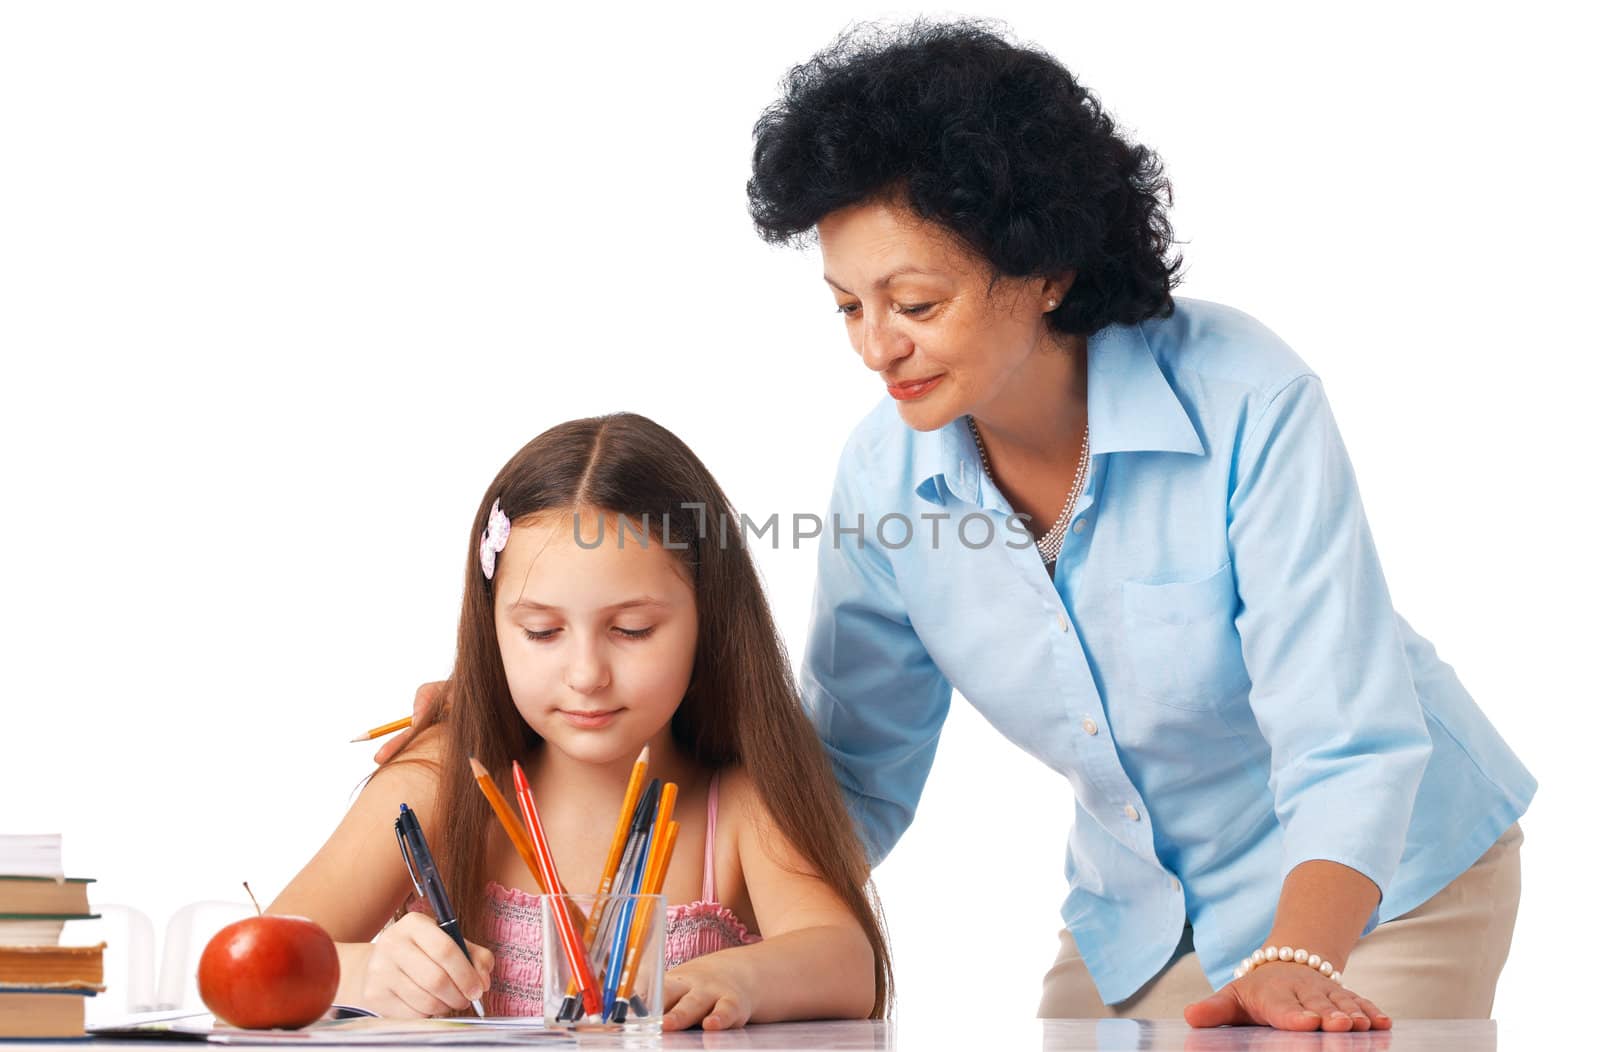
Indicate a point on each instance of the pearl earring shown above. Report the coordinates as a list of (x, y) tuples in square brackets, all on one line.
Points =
[(1050, 304)]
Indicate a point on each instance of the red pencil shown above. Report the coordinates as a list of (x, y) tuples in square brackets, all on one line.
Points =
[(588, 989)]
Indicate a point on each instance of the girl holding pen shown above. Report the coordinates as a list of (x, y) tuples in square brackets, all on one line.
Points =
[(601, 617)]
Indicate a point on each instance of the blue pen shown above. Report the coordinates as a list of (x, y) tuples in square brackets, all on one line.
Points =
[(619, 939), (425, 878)]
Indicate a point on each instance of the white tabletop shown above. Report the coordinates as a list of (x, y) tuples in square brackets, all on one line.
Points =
[(1088, 1035), (1052, 1035)]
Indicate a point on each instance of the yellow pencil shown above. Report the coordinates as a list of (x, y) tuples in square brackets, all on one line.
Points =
[(619, 836), (388, 728)]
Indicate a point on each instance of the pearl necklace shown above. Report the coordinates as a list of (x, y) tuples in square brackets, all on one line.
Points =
[(1050, 544)]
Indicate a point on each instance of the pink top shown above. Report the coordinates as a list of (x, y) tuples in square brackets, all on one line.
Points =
[(515, 939)]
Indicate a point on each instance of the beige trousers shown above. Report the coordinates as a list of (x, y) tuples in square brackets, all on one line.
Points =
[(1440, 961)]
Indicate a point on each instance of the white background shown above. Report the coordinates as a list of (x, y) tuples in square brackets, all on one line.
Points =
[(282, 285)]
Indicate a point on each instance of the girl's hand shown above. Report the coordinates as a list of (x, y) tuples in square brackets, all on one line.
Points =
[(1287, 997), (415, 969), (428, 696), (708, 990)]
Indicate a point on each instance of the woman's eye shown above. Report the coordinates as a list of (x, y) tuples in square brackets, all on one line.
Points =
[(850, 310), (540, 635), (636, 633)]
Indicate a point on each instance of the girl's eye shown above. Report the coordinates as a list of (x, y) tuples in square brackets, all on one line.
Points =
[(849, 309), (544, 635), (916, 309)]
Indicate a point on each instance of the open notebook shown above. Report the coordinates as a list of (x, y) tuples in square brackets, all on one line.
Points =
[(364, 1029)]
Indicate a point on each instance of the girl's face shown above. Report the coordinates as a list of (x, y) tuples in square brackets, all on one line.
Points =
[(598, 643), (921, 314)]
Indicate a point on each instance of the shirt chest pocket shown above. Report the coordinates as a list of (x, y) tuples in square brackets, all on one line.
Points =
[(1180, 640)]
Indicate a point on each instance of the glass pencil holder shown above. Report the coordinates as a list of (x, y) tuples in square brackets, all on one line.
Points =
[(623, 940)]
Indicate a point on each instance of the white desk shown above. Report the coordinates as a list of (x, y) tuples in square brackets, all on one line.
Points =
[(1054, 1035), (1087, 1035)]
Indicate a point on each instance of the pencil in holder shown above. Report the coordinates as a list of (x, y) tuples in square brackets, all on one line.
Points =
[(630, 964)]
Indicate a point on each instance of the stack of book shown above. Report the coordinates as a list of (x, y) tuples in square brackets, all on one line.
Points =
[(43, 985)]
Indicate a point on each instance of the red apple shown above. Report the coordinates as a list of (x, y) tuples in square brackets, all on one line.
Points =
[(269, 971)]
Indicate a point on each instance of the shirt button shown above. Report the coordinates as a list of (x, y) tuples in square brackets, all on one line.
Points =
[(1079, 526), (1090, 727), (1175, 885), (1061, 619), (1132, 813)]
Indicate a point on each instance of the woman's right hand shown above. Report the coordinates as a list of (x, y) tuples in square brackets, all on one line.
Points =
[(416, 970), (428, 696)]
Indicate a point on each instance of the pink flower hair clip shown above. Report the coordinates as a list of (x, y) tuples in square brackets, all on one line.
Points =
[(494, 540)]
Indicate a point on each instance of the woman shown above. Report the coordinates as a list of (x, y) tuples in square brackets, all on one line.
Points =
[(1264, 754), (1124, 526)]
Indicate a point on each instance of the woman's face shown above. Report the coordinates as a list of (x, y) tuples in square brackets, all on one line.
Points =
[(921, 313), (598, 643)]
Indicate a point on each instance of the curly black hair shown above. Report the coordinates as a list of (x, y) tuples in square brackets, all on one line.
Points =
[(994, 141)]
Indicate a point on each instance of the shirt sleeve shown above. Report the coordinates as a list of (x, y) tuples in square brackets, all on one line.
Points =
[(874, 693), (1330, 686)]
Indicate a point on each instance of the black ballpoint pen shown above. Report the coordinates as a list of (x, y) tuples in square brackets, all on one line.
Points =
[(425, 877)]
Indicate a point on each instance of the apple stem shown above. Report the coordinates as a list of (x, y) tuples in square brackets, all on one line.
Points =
[(252, 895)]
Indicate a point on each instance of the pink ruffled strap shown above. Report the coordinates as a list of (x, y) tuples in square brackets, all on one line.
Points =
[(708, 879)]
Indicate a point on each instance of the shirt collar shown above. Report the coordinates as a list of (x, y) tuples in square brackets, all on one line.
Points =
[(1132, 408)]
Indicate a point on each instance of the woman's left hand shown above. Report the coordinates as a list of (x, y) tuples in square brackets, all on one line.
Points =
[(1288, 997), (707, 991)]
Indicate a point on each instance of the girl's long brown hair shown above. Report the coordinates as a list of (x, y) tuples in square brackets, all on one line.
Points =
[(742, 706)]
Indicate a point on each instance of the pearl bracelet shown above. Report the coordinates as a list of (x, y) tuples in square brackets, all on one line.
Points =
[(1288, 954)]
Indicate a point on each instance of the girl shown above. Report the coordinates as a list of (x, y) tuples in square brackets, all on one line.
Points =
[(571, 655)]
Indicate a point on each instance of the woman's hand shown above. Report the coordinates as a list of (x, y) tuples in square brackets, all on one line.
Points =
[(428, 696), (1287, 997), (712, 991), (415, 969)]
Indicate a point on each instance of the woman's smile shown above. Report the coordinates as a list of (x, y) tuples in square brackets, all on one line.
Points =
[(910, 390)]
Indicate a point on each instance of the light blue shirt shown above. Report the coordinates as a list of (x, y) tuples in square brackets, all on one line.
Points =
[(1216, 667)]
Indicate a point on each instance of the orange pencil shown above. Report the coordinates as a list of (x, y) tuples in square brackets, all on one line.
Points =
[(508, 821), (608, 872), (570, 944), (387, 728), (669, 800), (655, 878)]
